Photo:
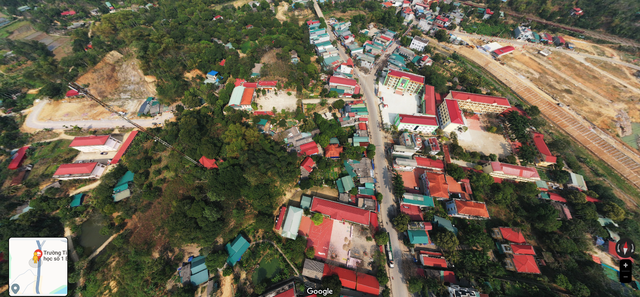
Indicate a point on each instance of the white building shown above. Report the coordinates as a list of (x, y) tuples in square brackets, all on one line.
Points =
[(523, 33), (95, 143), (80, 171), (450, 116), (416, 123), (418, 43)]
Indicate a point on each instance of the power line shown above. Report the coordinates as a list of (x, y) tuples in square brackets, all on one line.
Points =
[(85, 92)]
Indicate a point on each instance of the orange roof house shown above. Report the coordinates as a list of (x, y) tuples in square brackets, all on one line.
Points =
[(333, 151), (467, 209), (437, 185)]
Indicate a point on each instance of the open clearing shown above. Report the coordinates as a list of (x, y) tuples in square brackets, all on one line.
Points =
[(59, 45), (85, 109), (476, 139), (284, 6), (279, 102), (116, 77)]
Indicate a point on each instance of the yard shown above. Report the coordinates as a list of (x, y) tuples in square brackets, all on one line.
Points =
[(47, 157), (479, 140), (269, 267), (278, 100), (349, 245)]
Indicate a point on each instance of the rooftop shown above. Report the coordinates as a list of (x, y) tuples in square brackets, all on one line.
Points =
[(89, 140), (455, 114), (429, 100), (418, 120), (75, 168), (513, 235), (525, 264), (472, 208), (340, 211), (342, 81), (538, 141), (480, 98), (413, 77), (522, 249), (514, 170)]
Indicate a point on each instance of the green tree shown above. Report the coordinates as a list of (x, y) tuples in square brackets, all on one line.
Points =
[(371, 151), (332, 283), (382, 238), (398, 185), (216, 259), (563, 282), (442, 35), (338, 104), (613, 211), (580, 290), (446, 240), (311, 252), (575, 196), (474, 235), (382, 276), (401, 222), (317, 218), (455, 171), (415, 285)]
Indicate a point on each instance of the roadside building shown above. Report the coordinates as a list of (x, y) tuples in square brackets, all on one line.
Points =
[(403, 82), (546, 38), (442, 22), (344, 86), (432, 259), (347, 277), (435, 185), (236, 249), (523, 33), (503, 51), (418, 43), (450, 116), (79, 171), (467, 209), (512, 172), (95, 143), (292, 222), (416, 123), (368, 284), (419, 200), (544, 157), (341, 212), (577, 182), (558, 41)]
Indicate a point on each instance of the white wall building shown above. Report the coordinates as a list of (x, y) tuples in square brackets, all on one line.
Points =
[(95, 143), (418, 43)]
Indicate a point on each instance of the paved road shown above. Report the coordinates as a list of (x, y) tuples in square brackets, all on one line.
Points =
[(33, 122), (575, 54)]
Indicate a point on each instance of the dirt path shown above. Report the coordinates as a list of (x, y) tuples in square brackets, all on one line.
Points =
[(284, 7), (607, 74), (85, 188), (226, 286), (602, 145)]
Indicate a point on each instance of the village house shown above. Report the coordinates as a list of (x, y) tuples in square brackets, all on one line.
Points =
[(93, 143)]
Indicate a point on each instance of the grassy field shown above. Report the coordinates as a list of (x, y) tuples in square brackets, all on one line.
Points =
[(246, 47), (47, 157), (5, 31), (268, 269)]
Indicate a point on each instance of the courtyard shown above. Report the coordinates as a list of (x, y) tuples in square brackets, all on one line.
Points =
[(396, 104), (349, 245), (482, 141), (278, 100)]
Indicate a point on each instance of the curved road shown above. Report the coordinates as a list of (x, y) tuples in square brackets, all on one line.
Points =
[(33, 122)]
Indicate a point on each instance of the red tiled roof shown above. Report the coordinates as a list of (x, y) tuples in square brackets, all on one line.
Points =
[(433, 262), (522, 249), (247, 96), (480, 98), (430, 100), (289, 293), (508, 169), (538, 141), (347, 277), (512, 235), (385, 37), (441, 18), (467, 185), (437, 185), (307, 164), (75, 168), (429, 163), (368, 284), (387, 4), (283, 210), (208, 163), (556, 197), (222, 62), (418, 120), (525, 264), (333, 151), (72, 93), (268, 83), (472, 208), (18, 157), (413, 211), (250, 85), (124, 146), (411, 76), (449, 276), (89, 140), (340, 211), (410, 180), (455, 114), (70, 12), (430, 253), (310, 148), (342, 81), (362, 126)]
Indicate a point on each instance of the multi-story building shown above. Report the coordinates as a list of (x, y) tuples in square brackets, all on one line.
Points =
[(418, 43), (544, 158), (404, 82), (450, 116), (344, 86), (523, 33), (479, 103), (513, 172), (95, 143), (416, 123), (429, 101), (80, 171)]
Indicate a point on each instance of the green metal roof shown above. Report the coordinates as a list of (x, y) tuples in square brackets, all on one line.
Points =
[(542, 184), (292, 222), (200, 277), (149, 99), (369, 186), (120, 188), (305, 202), (334, 140), (360, 139), (417, 199), (197, 264), (444, 223), (350, 169), (418, 236), (544, 195), (77, 200), (263, 122), (126, 178), (365, 191), (236, 249), (345, 184)]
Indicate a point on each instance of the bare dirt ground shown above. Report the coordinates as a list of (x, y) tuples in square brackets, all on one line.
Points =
[(270, 56), (118, 77), (282, 9), (85, 109), (476, 139), (621, 72), (279, 102), (226, 286), (61, 44), (346, 15), (193, 74)]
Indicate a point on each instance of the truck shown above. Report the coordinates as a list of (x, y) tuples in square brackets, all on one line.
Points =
[(389, 252)]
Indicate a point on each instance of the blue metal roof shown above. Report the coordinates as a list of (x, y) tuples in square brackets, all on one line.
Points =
[(213, 72)]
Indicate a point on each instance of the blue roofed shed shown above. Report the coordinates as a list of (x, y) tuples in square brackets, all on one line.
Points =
[(126, 178), (198, 271), (305, 202), (77, 200), (236, 249)]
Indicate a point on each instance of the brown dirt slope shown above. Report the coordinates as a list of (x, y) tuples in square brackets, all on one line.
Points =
[(118, 77)]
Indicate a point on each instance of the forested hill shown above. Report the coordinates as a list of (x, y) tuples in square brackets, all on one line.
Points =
[(618, 17)]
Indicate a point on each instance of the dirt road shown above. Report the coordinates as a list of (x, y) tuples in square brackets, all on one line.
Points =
[(610, 150), (33, 122)]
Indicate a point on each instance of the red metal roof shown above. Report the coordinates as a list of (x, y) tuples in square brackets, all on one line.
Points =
[(72, 93), (472, 208), (343, 81), (18, 157), (429, 163), (310, 148), (508, 169), (449, 276), (307, 164), (413, 211), (124, 146), (75, 168), (441, 18), (480, 98), (418, 120), (222, 62), (368, 284), (430, 253), (387, 4), (374, 222), (411, 76), (455, 114), (525, 264), (362, 126), (268, 83), (522, 249), (70, 12), (591, 199), (217, 17), (333, 151), (347, 277), (208, 163), (263, 113), (250, 85), (89, 140), (430, 100), (538, 141), (239, 82), (512, 235), (504, 50), (433, 261), (596, 259), (289, 293), (313, 22), (283, 210), (340, 211), (561, 39), (556, 197)]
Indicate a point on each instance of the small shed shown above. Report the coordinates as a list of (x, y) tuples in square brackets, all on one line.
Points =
[(236, 249)]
